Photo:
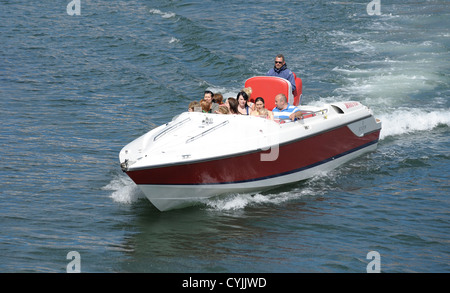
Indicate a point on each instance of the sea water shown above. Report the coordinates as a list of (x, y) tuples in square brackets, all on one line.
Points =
[(76, 87)]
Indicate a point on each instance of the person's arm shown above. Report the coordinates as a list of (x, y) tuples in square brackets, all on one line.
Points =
[(296, 115)]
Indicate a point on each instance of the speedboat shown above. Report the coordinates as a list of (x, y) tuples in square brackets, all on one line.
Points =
[(197, 155)]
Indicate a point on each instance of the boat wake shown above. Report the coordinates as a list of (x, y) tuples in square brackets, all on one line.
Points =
[(241, 201), (312, 187), (412, 120), (124, 190)]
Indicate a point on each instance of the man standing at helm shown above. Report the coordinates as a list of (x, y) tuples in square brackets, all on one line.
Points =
[(280, 69)]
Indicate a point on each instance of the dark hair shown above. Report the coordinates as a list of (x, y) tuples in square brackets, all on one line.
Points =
[(211, 93), (243, 94), (280, 56), (260, 99)]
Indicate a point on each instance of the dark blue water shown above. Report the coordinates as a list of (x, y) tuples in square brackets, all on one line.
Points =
[(75, 89)]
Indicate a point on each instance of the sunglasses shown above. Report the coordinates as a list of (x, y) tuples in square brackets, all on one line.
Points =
[(278, 62)]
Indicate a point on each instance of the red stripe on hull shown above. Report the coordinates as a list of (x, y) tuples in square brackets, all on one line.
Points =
[(291, 156)]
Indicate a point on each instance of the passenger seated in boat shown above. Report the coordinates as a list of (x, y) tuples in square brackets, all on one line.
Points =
[(223, 110), (208, 96), (250, 102), (206, 106), (194, 106), (260, 110), (285, 111), (232, 105), (242, 99), (218, 98)]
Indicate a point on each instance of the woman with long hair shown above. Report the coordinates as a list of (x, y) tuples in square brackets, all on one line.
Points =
[(243, 107), (232, 104)]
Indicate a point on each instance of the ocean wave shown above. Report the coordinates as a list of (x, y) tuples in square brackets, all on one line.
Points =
[(163, 14)]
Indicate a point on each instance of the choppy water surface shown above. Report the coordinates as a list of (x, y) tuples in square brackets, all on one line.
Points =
[(75, 89)]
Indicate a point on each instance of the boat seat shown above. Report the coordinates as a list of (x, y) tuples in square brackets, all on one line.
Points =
[(298, 90), (268, 87)]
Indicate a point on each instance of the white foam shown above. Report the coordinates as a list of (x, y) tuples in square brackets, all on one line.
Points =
[(360, 45), (397, 121), (390, 69), (124, 190), (393, 85), (234, 202), (241, 201), (409, 121), (163, 14)]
